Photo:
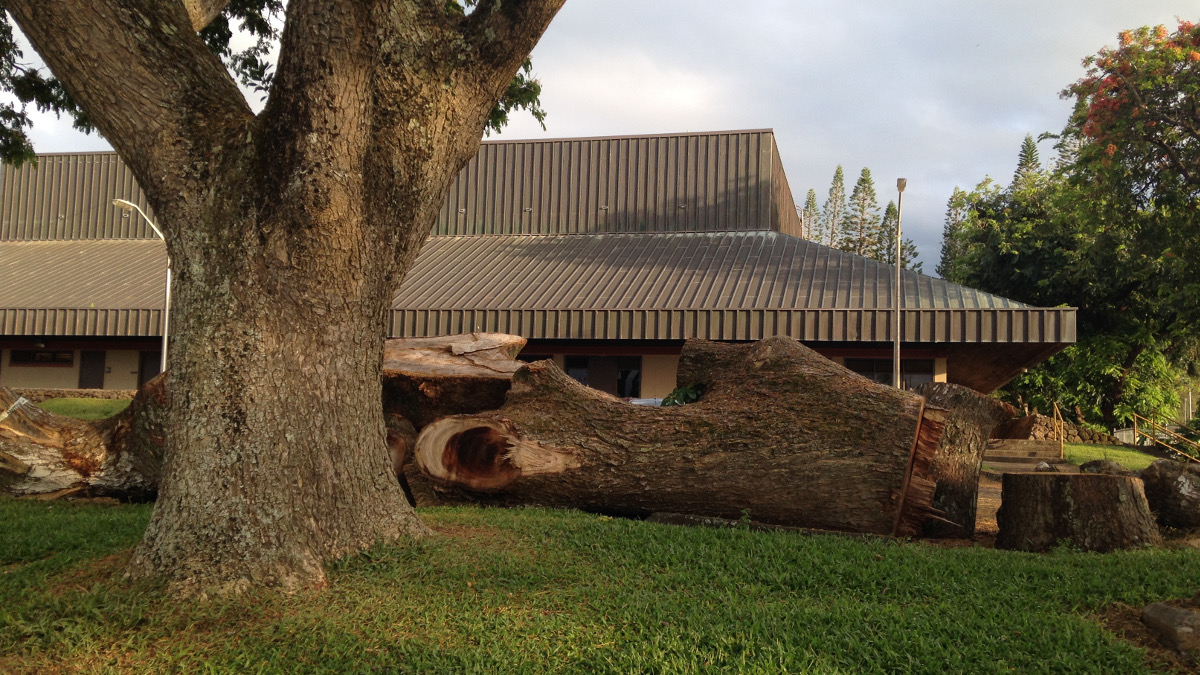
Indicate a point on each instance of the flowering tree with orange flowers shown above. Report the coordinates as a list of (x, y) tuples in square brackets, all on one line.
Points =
[(1137, 115)]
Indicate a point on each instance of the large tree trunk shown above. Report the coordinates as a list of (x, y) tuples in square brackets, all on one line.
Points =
[(781, 433), (1094, 512), (289, 231), (45, 456), (956, 464)]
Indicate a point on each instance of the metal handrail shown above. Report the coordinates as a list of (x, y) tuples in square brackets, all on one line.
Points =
[(1163, 430), (1060, 431)]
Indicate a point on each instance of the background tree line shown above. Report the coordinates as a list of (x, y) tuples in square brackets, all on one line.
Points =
[(855, 225), (1112, 227)]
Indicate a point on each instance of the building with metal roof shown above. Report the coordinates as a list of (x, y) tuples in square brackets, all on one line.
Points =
[(606, 253)]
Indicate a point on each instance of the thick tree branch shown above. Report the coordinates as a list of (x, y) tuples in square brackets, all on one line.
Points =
[(202, 12), (502, 33), (148, 83)]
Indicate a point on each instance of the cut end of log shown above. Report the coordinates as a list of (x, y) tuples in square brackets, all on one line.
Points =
[(479, 454), (916, 498)]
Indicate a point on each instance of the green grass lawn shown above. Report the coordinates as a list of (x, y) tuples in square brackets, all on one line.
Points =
[(539, 591), (85, 408), (1078, 453)]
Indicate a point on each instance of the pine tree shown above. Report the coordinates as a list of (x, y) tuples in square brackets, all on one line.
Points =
[(1028, 162), (958, 210), (831, 213), (883, 246), (809, 215), (860, 223)]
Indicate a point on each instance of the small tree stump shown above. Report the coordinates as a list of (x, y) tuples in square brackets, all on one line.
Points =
[(1094, 512)]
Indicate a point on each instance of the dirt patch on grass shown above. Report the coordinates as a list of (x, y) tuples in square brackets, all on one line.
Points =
[(986, 507), (1125, 622), (110, 568)]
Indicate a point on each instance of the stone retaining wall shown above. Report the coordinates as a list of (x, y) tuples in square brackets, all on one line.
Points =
[(39, 395), (1041, 427)]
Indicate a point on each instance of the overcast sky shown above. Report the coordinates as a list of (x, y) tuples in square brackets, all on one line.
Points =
[(941, 93)]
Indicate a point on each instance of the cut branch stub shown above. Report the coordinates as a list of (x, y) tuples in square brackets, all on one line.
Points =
[(781, 431), (428, 378)]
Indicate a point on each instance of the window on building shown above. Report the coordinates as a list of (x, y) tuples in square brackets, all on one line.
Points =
[(617, 375), (577, 368), (629, 376), (40, 357), (912, 371)]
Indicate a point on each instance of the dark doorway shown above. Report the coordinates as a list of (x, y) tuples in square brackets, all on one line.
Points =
[(149, 364), (617, 375), (91, 370)]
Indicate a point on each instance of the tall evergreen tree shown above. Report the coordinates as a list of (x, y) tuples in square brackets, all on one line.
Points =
[(809, 215), (883, 246), (829, 231), (1028, 163), (958, 210), (860, 222)]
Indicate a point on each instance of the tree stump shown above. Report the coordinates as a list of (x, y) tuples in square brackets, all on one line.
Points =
[(780, 433), (1094, 512), (955, 466)]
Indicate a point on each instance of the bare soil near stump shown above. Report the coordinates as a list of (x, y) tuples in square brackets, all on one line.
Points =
[(1119, 619)]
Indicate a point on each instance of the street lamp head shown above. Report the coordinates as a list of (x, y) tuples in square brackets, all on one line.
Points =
[(124, 204), (900, 183)]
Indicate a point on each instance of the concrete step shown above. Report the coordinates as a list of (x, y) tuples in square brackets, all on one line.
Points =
[(1008, 459), (1009, 449)]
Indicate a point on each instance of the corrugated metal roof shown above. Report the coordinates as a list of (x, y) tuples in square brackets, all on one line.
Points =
[(69, 196), (720, 270), (83, 274), (702, 182), (725, 286)]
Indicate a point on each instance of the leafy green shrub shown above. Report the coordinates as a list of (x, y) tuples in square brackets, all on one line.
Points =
[(682, 395)]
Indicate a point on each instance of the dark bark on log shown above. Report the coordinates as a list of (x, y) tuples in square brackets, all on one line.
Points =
[(46, 456), (955, 466), (1093, 512), (781, 433), (428, 378)]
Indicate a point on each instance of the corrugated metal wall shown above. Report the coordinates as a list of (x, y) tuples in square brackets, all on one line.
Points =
[(1034, 325), (688, 182), (676, 183), (69, 196)]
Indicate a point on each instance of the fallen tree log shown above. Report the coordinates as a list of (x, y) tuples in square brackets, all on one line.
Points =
[(428, 378), (1094, 512), (781, 434), (956, 463), (46, 456)]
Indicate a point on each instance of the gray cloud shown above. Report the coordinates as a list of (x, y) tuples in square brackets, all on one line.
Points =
[(938, 92)]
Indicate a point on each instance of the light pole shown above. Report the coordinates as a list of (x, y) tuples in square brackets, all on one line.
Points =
[(127, 206), (898, 301)]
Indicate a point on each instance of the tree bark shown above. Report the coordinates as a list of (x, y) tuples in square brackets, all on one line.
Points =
[(955, 465), (289, 233), (43, 455), (428, 378), (1094, 512), (781, 434)]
